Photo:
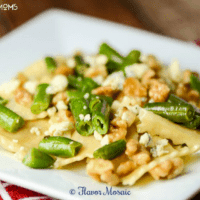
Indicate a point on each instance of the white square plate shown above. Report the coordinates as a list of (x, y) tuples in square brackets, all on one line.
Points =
[(60, 32)]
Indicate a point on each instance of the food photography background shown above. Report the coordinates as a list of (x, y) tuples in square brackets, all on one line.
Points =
[(177, 19)]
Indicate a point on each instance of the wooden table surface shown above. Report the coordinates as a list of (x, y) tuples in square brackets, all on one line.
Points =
[(121, 11), (113, 10)]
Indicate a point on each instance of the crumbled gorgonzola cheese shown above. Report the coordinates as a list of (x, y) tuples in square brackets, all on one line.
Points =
[(71, 62), (105, 140), (97, 136), (136, 70), (175, 73), (58, 84), (145, 139), (87, 117), (60, 128), (115, 80), (98, 79), (51, 111), (158, 150), (86, 96), (61, 105), (35, 130), (31, 86)]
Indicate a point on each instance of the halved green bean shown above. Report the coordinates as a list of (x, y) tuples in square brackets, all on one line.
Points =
[(195, 83), (97, 98), (41, 100), (3, 101), (9, 120), (59, 146), (80, 109), (38, 159), (75, 82), (110, 151), (100, 109), (174, 112), (50, 63)]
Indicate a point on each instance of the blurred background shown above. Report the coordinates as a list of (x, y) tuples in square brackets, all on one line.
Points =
[(175, 18)]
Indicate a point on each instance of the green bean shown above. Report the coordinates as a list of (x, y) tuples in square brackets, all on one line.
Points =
[(50, 63), (41, 100), (38, 159), (195, 83), (177, 100), (82, 84), (110, 151), (81, 66), (194, 124), (115, 60), (74, 94), (80, 109), (59, 146), (3, 101), (174, 112), (100, 109), (9, 120), (131, 58)]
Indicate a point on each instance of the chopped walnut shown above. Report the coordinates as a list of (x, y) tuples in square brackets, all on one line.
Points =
[(142, 157), (104, 90), (117, 130), (132, 87), (61, 96), (146, 78), (64, 70), (125, 168), (65, 115), (23, 97), (186, 76), (137, 152), (167, 169), (102, 170), (22, 78), (158, 91), (153, 62), (110, 178), (131, 147), (96, 71), (184, 91)]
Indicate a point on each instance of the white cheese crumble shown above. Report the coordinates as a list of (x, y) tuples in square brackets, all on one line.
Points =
[(58, 84), (105, 140), (101, 59), (31, 86), (21, 148), (15, 141), (98, 79), (158, 150), (51, 111), (87, 117), (61, 105), (145, 139), (81, 116), (86, 96), (10, 87), (97, 136), (84, 107), (115, 80), (35, 130), (175, 71), (90, 59), (60, 128), (71, 62), (136, 70)]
